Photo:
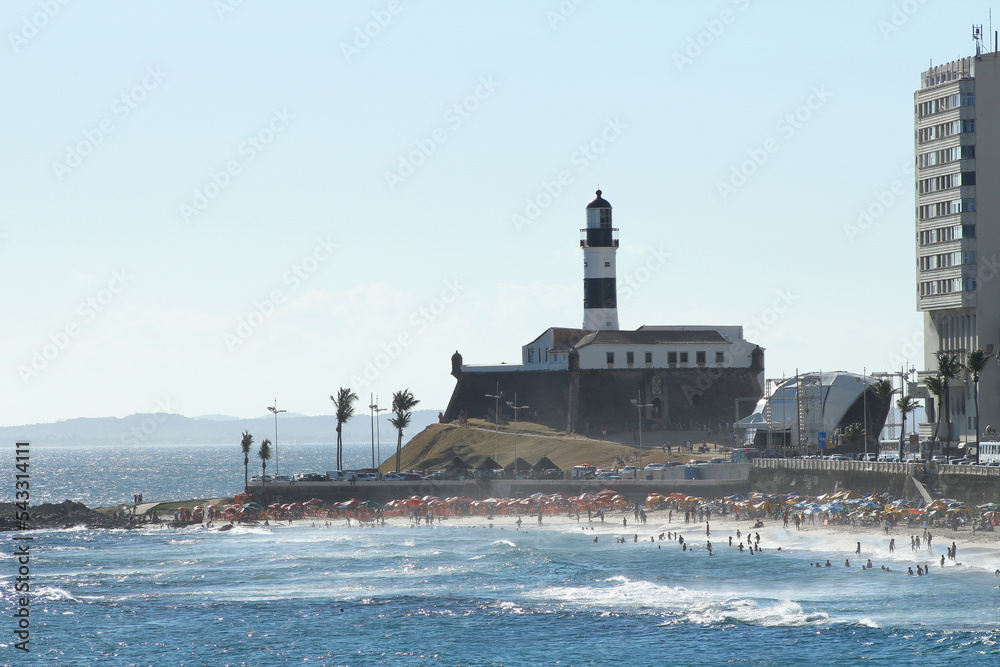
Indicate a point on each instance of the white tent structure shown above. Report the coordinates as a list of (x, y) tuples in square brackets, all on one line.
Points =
[(804, 412)]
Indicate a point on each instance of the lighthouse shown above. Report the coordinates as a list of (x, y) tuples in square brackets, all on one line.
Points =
[(599, 241)]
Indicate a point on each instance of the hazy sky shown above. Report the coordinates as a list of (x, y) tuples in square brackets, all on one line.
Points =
[(207, 205)]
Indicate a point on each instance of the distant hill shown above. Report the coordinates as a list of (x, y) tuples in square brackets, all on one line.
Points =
[(172, 429)]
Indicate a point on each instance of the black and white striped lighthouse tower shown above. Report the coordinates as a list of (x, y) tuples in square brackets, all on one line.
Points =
[(600, 244)]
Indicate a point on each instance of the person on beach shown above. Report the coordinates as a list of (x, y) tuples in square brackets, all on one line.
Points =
[(858, 550), (892, 545), (518, 522)]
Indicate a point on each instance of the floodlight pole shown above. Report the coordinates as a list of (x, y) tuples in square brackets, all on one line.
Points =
[(517, 408), (496, 417), (275, 410), (640, 406)]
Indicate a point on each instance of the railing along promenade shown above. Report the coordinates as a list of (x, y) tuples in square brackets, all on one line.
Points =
[(912, 469)]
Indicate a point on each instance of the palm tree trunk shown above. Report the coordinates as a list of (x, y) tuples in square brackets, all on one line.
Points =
[(246, 471), (399, 448), (975, 386)]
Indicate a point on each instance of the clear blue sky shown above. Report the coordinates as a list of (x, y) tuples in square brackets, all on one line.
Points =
[(172, 169)]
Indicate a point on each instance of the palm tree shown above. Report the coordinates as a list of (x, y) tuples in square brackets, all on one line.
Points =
[(935, 384), (265, 454), (245, 444), (402, 404), (905, 405), (344, 404), (853, 432), (948, 368), (883, 391), (974, 364)]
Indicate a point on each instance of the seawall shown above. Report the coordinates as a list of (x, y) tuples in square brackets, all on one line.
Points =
[(973, 485)]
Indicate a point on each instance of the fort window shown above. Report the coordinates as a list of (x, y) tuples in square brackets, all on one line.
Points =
[(611, 358), (719, 357), (684, 357), (630, 358), (671, 357), (649, 357), (699, 357)]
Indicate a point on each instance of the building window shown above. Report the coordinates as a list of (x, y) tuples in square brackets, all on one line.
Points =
[(607, 263), (531, 355), (684, 357), (719, 356), (671, 357), (699, 357), (630, 358), (611, 358), (649, 357)]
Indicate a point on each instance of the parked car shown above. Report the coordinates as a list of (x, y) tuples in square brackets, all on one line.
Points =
[(629, 472), (258, 478), (393, 477), (654, 466), (310, 477), (718, 459), (608, 475), (436, 474), (282, 478)]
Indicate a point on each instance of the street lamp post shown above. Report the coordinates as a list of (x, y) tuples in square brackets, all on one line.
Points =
[(371, 407), (275, 410), (516, 408), (640, 407), (496, 418), (378, 433)]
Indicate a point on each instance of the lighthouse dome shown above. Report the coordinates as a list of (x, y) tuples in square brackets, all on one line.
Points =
[(599, 202)]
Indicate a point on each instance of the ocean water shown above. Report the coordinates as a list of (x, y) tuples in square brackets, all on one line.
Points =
[(102, 476), (471, 595), (462, 593)]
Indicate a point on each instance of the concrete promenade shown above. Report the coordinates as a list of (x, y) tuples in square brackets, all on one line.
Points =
[(971, 484)]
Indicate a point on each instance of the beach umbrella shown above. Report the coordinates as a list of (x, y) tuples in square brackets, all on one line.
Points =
[(458, 464), (489, 464), (545, 464), (370, 503)]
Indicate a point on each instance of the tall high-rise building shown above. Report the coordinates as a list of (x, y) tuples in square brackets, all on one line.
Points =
[(957, 144)]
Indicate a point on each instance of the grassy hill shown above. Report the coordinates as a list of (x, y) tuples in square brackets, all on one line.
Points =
[(438, 444)]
